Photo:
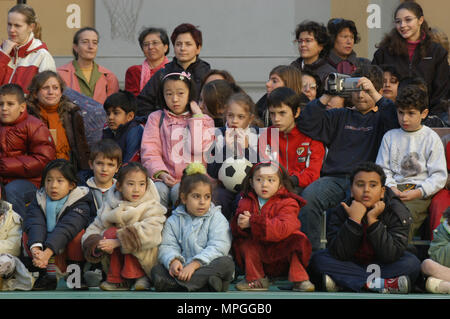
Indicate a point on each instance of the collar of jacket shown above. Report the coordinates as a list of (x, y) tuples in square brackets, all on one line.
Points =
[(75, 195), (334, 59), (22, 117), (281, 193), (191, 66), (24, 49)]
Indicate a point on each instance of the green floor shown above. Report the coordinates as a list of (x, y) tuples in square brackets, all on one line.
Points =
[(273, 293)]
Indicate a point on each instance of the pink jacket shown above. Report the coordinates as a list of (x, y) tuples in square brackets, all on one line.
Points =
[(167, 147), (105, 86)]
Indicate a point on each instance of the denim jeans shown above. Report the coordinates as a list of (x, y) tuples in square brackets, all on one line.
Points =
[(353, 276), (324, 193), (168, 195), (19, 193)]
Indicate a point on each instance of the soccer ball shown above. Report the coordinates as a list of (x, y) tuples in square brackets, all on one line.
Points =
[(233, 171)]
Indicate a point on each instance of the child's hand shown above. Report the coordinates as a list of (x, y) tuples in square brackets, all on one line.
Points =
[(187, 272), (410, 195), (108, 245), (175, 268), (356, 211), (372, 215), (366, 85), (35, 252), (195, 108), (167, 179), (42, 257), (244, 220)]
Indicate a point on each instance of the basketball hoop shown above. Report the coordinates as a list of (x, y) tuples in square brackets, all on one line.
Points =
[(123, 15)]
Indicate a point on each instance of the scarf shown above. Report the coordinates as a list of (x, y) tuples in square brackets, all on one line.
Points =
[(52, 209), (147, 72), (50, 116)]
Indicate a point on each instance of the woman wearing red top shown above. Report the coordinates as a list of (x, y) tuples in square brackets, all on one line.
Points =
[(410, 48), (154, 44), (23, 54)]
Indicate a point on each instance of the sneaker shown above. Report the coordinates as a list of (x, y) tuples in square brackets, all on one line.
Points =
[(399, 285), (142, 284), (329, 284), (304, 286), (434, 286), (45, 282), (111, 286)]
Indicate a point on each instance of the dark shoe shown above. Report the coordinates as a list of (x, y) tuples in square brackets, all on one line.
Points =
[(215, 283), (45, 283), (162, 283)]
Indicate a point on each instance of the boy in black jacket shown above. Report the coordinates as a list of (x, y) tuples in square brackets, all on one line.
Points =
[(367, 238), (352, 135)]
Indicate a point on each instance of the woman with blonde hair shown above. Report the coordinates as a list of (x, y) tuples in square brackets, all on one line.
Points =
[(281, 75), (23, 54)]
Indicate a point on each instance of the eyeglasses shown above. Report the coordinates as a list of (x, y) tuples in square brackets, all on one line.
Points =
[(306, 41), (152, 43)]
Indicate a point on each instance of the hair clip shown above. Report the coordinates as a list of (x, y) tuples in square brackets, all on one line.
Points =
[(182, 75)]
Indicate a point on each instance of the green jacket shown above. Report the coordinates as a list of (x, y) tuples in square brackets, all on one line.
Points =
[(440, 246)]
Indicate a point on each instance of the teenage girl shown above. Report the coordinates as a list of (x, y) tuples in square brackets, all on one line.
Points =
[(410, 47), (174, 136), (196, 240), (127, 230), (267, 240)]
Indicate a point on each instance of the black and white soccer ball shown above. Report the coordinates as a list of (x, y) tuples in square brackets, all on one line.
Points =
[(233, 171)]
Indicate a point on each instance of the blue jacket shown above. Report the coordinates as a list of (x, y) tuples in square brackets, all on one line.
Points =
[(74, 216), (187, 237), (351, 137), (129, 137)]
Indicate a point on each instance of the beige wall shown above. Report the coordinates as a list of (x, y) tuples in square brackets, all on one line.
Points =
[(436, 13), (354, 10), (52, 15)]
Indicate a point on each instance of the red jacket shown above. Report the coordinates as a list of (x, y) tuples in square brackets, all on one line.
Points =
[(24, 62), (26, 146), (276, 225), (133, 76), (299, 154)]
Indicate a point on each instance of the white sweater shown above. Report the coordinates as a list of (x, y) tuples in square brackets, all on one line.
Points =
[(414, 158)]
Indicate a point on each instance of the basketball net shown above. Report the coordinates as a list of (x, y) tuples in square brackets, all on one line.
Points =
[(123, 15)]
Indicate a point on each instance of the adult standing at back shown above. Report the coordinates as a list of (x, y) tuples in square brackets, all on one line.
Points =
[(344, 36), (313, 45), (83, 74), (187, 43), (154, 43), (409, 46), (23, 54)]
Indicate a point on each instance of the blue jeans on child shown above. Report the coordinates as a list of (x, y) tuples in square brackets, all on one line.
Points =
[(168, 195), (350, 275), (324, 193), (19, 193)]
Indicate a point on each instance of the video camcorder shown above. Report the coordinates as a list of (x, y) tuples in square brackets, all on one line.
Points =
[(341, 84)]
